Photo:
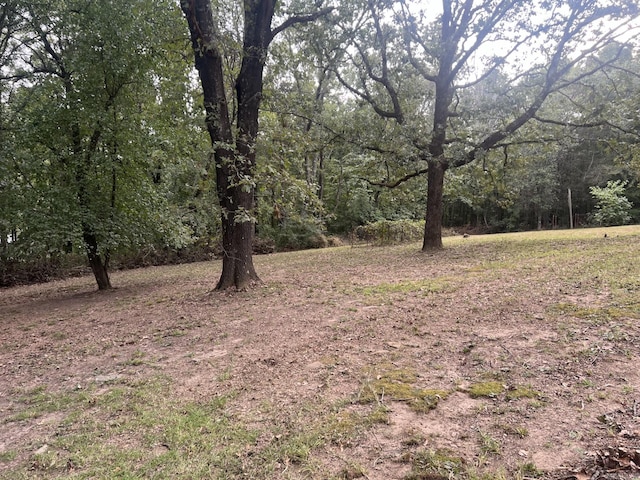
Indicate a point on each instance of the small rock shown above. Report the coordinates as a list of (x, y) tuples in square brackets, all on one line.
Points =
[(42, 450)]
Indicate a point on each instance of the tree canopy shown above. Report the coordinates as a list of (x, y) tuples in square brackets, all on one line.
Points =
[(134, 126)]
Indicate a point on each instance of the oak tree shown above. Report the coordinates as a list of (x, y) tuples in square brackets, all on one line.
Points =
[(232, 102), (535, 46)]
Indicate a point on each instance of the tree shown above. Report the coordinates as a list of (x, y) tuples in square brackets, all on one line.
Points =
[(11, 25), (612, 207), (234, 146), (533, 47), (82, 91)]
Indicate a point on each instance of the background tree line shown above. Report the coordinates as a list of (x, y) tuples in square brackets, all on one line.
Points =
[(481, 114)]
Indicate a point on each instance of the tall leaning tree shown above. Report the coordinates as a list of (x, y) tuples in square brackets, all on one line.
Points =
[(232, 124), (535, 48)]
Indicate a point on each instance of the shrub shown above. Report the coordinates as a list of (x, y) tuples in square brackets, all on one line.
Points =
[(612, 207), (389, 232)]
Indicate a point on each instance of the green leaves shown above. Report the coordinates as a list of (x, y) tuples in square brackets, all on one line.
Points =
[(93, 128), (612, 207)]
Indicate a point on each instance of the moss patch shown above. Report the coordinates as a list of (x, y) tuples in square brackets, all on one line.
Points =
[(485, 389), (522, 392), (398, 385)]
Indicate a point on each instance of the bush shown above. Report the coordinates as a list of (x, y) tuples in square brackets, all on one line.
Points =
[(389, 232), (612, 207), (300, 236), (41, 269)]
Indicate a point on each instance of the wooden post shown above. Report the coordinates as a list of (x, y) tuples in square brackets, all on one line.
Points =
[(570, 208)]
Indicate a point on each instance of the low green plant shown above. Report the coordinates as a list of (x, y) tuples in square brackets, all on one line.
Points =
[(439, 462), (486, 389), (488, 444), (398, 385)]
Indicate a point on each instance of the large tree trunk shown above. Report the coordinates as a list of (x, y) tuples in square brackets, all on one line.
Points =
[(433, 225), (237, 242)]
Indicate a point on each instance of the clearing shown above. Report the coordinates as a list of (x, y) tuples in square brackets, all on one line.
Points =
[(503, 356)]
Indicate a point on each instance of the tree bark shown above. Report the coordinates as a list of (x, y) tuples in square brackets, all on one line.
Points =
[(235, 153), (234, 156), (98, 263), (433, 224)]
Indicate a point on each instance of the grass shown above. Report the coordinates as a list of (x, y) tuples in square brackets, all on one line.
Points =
[(440, 462), (424, 287), (164, 438), (38, 402), (385, 382), (145, 428), (522, 391), (488, 444), (138, 430), (486, 389)]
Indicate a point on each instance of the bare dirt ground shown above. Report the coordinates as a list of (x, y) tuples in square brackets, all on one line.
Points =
[(328, 326)]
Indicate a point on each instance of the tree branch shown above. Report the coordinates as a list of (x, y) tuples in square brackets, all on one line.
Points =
[(601, 123), (400, 181), (298, 19)]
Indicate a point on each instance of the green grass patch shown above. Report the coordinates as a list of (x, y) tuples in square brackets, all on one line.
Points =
[(435, 462), (598, 315), (485, 389), (399, 385), (135, 430), (522, 391), (424, 287), (141, 430), (7, 456), (488, 444), (343, 427), (37, 402)]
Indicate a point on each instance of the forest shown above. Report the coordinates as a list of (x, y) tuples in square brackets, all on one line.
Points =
[(137, 132)]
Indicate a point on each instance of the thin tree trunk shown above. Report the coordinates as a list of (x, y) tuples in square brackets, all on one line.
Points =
[(98, 264), (321, 175)]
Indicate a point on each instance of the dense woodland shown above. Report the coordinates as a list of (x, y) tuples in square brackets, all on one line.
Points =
[(318, 118)]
